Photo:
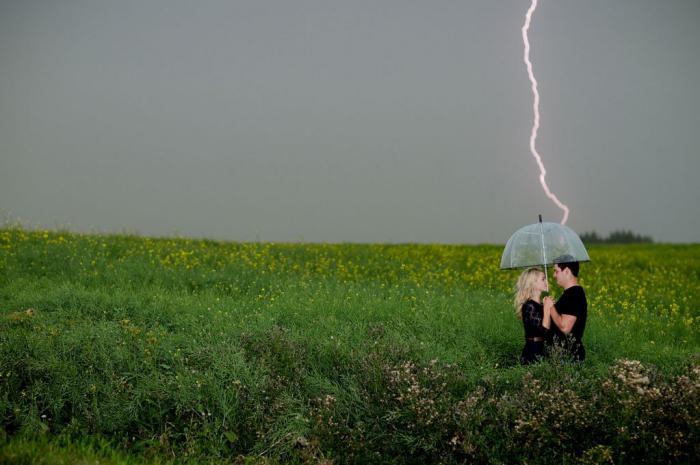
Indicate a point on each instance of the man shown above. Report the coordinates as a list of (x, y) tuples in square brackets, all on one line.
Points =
[(570, 312)]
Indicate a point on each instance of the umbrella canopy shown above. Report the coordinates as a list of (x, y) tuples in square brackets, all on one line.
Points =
[(541, 244)]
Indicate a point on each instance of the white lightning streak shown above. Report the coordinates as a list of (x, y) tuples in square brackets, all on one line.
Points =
[(536, 109)]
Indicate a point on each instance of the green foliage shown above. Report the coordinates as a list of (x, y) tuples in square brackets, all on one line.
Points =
[(206, 352)]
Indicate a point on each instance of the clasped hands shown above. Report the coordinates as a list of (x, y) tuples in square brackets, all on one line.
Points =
[(548, 303)]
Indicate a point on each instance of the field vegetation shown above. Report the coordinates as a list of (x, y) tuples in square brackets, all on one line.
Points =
[(122, 349)]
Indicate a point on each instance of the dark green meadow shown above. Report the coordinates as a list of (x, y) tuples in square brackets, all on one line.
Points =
[(127, 350)]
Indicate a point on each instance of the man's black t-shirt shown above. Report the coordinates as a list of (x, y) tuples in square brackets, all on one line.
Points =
[(573, 302)]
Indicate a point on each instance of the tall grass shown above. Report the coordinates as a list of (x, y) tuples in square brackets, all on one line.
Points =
[(175, 349)]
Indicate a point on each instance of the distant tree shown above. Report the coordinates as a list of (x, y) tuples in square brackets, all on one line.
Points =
[(627, 237), (615, 237), (591, 237)]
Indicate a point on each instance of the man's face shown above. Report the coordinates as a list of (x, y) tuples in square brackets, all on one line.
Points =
[(560, 275)]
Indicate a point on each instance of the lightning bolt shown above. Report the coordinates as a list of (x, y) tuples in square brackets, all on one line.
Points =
[(536, 110)]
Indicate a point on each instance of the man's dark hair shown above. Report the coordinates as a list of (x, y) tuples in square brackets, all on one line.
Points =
[(567, 261)]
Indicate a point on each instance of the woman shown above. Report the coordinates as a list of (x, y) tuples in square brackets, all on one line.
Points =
[(528, 306)]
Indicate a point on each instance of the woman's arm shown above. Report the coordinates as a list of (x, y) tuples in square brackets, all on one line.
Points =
[(547, 318), (534, 320)]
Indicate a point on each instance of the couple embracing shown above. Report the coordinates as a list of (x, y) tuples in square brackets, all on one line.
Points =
[(548, 323)]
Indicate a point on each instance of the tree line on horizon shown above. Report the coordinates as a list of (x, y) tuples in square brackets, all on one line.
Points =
[(616, 237)]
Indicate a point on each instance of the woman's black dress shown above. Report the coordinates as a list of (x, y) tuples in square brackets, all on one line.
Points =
[(533, 313)]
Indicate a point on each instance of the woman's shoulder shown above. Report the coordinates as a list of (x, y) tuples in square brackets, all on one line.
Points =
[(531, 304)]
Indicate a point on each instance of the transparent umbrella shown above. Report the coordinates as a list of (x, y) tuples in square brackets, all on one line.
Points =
[(543, 244)]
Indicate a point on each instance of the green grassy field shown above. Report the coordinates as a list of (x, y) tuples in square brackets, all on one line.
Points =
[(123, 349)]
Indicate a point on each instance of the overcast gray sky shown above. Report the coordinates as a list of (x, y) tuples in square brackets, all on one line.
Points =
[(364, 121)]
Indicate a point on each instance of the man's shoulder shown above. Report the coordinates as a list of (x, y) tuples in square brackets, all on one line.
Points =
[(576, 290), (572, 301)]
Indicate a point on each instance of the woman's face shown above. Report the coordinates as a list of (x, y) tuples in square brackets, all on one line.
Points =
[(540, 283)]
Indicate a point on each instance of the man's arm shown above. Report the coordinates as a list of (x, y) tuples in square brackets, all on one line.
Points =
[(564, 322)]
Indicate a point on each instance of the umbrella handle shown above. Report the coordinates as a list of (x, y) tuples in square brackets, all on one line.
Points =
[(544, 255)]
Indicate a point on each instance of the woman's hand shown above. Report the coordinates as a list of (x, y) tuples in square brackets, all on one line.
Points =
[(547, 317)]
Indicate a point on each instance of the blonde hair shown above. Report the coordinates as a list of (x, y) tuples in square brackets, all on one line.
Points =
[(525, 289)]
